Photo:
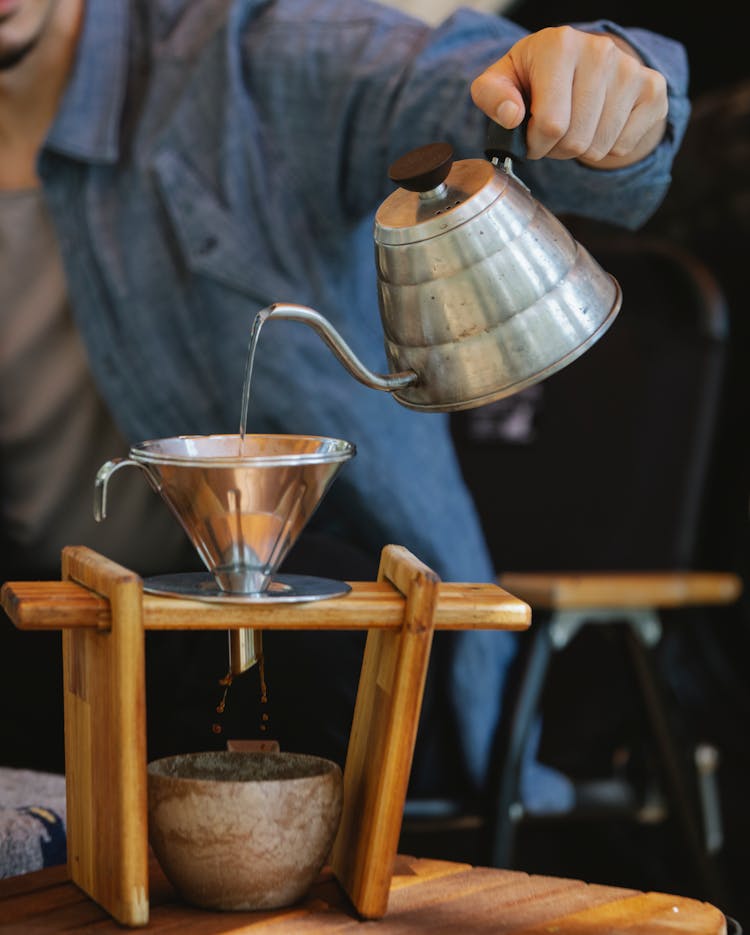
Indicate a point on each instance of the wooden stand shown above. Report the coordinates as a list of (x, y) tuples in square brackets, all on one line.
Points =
[(103, 612)]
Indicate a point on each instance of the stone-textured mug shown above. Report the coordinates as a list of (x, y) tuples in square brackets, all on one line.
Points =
[(238, 830)]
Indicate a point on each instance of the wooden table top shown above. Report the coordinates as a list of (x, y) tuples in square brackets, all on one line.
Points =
[(619, 589), (429, 896)]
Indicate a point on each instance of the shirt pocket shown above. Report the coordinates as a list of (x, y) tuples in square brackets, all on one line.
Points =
[(216, 242)]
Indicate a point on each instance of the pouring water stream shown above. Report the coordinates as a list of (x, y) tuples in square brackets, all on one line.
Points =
[(261, 316)]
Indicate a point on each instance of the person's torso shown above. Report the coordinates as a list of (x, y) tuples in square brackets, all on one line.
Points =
[(55, 431)]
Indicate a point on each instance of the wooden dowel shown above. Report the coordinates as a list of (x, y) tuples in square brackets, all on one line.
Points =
[(371, 605)]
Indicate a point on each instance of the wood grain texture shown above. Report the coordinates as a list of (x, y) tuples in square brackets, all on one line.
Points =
[(59, 605), (426, 896), (54, 605), (381, 743), (105, 743), (103, 613)]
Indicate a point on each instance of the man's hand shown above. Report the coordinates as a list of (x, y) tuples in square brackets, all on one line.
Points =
[(589, 96)]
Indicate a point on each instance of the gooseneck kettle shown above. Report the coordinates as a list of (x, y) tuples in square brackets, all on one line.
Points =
[(482, 291)]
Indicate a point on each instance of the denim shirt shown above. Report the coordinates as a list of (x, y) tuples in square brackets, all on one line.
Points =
[(209, 159)]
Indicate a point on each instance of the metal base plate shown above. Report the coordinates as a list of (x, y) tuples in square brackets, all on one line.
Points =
[(201, 586)]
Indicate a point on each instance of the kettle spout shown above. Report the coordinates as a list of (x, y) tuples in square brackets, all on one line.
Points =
[(376, 381)]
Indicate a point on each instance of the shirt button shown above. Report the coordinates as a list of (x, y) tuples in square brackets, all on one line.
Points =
[(208, 245)]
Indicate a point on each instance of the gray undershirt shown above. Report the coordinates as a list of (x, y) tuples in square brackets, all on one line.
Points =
[(55, 431)]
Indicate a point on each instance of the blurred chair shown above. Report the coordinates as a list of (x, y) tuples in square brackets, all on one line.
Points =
[(681, 781), (591, 487)]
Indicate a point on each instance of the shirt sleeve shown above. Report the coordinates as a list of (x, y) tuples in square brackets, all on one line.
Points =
[(627, 197), (343, 88)]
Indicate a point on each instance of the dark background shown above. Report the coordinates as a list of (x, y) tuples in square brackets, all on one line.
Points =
[(713, 33), (707, 212)]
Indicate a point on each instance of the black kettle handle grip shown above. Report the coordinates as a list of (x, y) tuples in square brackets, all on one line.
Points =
[(501, 143)]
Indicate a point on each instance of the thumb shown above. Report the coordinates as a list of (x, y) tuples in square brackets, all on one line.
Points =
[(497, 92)]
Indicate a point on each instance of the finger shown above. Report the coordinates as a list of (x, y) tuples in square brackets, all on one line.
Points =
[(597, 118), (551, 113), (497, 92), (604, 89), (570, 92), (546, 64), (631, 121), (642, 131), (648, 116)]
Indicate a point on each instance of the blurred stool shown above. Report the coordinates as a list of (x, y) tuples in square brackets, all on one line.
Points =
[(685, 781)]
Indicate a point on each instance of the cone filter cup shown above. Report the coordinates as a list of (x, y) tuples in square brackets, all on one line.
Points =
[(243, 501)]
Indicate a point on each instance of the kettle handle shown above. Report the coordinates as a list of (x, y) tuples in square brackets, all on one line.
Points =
[(501, 143)]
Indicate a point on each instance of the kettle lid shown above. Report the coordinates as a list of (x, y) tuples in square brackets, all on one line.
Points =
[(435, 194)]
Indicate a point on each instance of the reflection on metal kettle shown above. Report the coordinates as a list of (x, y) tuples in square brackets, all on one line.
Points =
[(482, 291)]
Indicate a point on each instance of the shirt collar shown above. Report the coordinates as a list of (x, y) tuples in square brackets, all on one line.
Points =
[(87, 124)]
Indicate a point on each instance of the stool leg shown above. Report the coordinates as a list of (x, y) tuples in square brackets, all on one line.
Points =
[(508, 809), (686, 806)]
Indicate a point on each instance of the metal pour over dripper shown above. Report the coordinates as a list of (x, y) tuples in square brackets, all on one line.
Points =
[(243, 501)]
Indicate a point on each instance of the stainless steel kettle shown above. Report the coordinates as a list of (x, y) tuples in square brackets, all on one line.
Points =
[(482, 291)]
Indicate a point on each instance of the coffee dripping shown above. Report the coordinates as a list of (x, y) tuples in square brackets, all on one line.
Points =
[(242, 500)]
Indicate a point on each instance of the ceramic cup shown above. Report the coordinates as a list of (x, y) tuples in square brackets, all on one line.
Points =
[(238, 830)]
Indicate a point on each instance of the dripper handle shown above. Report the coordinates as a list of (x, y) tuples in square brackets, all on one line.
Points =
[(102, 478), (501, 143)]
